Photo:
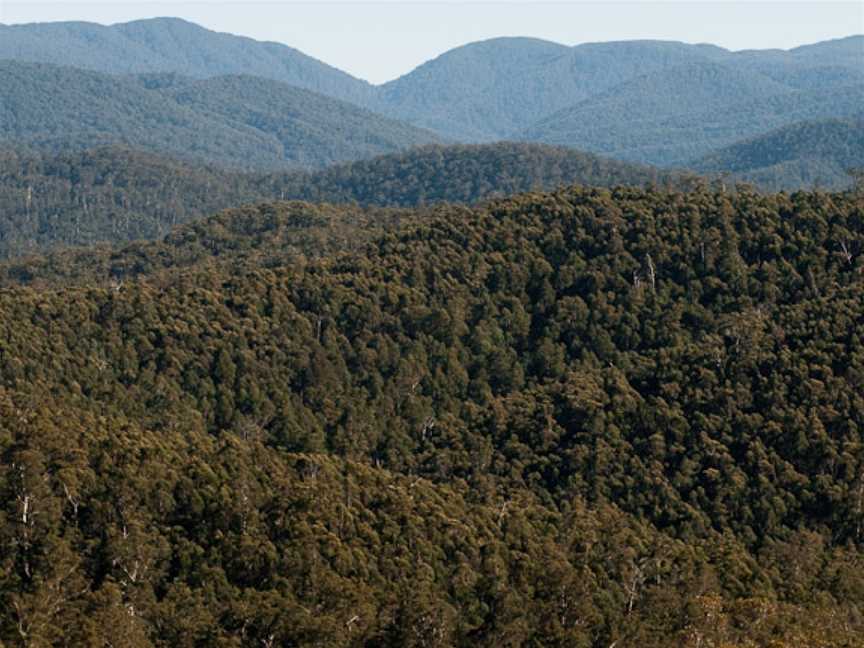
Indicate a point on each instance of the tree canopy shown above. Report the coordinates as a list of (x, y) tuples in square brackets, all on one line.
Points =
[(589, 417)]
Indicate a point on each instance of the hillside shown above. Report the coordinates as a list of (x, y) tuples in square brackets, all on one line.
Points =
[(846, 52), (312, 130), (682, 135), (116, 195), (479, 92), (807, 153), (174, 45), (500, 88), (490, 90), (494, 89), (578, 418), (239, 122), (51, 108), (470, 173), (106, 194)]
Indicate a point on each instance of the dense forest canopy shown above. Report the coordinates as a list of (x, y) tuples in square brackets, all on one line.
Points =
[(116, 194), (807, 154), (589, 417), (287, 360), (238, 121)]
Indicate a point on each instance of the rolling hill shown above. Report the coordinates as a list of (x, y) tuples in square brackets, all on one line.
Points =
[(500, 88), (503, 88), (494, 89), (467, 173), (240, 122), (602, 125), (580, 418), (174, 45), (479, 92), (312, 130), (806, 153), (115, 194)]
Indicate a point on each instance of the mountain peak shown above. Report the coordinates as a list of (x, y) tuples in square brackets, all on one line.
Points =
[(168, 44)]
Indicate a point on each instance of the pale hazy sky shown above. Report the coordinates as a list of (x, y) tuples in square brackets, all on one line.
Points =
[(381, 40)]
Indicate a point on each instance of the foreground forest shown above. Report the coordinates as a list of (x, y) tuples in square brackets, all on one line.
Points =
[(593, 417)]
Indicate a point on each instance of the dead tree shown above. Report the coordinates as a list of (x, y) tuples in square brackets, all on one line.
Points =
[(652, 274)]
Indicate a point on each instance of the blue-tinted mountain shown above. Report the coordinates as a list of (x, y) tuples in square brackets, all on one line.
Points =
[(803, 154), (688, 116), (501, 87), (493, 89), (312, 130), (238, 122), (662, 103), (174, 45)]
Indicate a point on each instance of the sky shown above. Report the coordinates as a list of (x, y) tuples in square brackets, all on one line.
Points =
[(379, 41)]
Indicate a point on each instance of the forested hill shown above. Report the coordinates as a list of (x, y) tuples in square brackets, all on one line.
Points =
[(582, 418), (816, 153), (610, 98), (174, 45), (510, 87), (670, 132), (116, 194), (264, 234), (238, 122), (472, 172), (312, 130)]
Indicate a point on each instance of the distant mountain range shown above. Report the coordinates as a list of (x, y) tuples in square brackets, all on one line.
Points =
[(675, 116), (174, 45), (237, 121), (249, 104)]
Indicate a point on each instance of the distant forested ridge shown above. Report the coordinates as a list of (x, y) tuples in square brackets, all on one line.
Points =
[(116, 194), (673, 137), (468, 173), (238, 122), (624, 416), (174, 45), (814, 154), (654, 102)]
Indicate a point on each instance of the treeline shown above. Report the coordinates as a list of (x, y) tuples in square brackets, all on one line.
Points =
[(577, 418), (115, 195)]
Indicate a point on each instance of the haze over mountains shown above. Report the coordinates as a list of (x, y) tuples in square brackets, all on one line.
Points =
[(661, 103), (173, 45), (238, 121)]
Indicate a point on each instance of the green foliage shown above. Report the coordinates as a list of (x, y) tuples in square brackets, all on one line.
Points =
[(239, 122), (577, 418), (116, 195), (648, 101), (690, 120), (174, 45), (808, 154)]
